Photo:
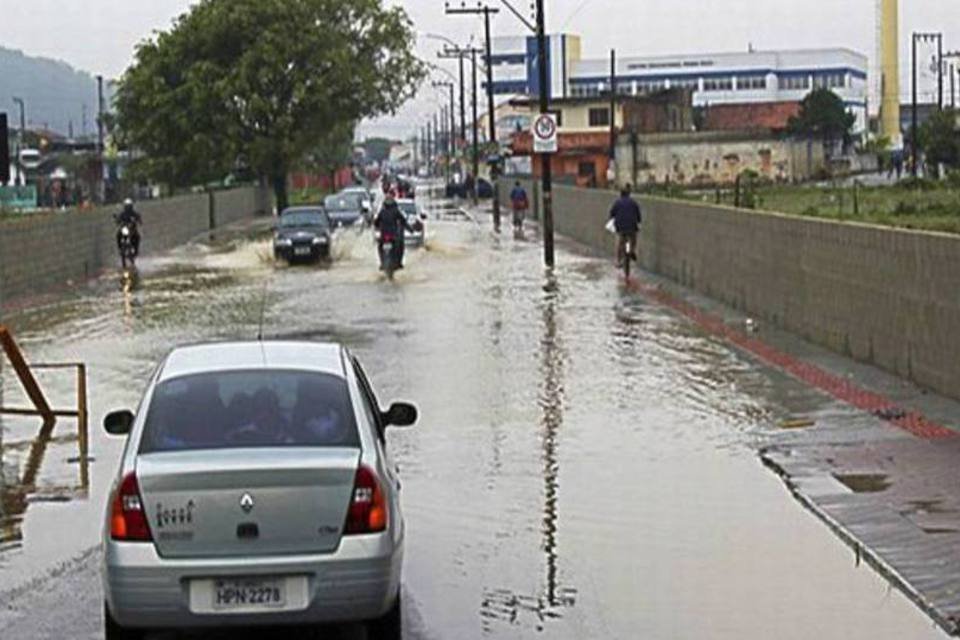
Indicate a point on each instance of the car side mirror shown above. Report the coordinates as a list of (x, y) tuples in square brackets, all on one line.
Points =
[(118, 423), (401, 414)]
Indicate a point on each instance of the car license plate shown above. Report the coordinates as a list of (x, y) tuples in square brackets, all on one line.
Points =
[(387, 246), (301, 251), (249, 593)]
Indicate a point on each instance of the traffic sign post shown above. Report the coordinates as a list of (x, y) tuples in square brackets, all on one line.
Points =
[(545, 133)]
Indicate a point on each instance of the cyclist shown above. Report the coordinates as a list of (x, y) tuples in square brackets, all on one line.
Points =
[(627, 218)]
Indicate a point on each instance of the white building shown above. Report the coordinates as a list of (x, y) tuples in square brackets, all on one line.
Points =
[(724, 78)]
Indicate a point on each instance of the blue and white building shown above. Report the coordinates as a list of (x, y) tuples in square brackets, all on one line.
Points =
[(724, 78)]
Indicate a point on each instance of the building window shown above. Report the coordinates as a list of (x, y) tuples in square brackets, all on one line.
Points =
[(718, 84), (650, 86), (830, 80), (599, 117), (794, 83), (751, 83), (685, 83)]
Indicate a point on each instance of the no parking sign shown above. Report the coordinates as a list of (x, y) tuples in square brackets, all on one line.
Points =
[(545, 133)]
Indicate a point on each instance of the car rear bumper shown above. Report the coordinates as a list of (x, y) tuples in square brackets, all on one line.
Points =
[(358, 582)]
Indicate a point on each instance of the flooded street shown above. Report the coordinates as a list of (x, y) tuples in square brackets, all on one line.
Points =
[(585, 465)]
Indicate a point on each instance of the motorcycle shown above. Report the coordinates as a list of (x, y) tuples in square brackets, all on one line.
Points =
[(389, 248), (126, 245)]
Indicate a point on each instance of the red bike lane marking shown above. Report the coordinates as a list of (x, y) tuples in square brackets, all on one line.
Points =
[(839, 387)]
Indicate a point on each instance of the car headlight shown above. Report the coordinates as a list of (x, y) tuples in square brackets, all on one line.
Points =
[(320, 240), (283, 242)]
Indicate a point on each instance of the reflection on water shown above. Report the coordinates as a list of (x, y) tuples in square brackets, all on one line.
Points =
[(506, 605), (18, 489)]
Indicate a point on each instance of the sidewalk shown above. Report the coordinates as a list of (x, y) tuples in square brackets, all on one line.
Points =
[(873, 456)]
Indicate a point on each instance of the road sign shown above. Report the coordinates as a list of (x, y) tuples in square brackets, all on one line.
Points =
[(545, 133)]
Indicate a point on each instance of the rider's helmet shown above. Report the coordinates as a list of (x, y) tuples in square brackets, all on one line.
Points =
[(128, 204)]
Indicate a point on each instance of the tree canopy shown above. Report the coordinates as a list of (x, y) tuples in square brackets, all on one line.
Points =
[(940, 138), (823, 115), (263, 83)]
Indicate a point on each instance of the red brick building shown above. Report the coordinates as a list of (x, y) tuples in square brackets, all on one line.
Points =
[(768, 116)]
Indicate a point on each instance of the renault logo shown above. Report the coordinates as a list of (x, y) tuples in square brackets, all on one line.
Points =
[(246, 503)]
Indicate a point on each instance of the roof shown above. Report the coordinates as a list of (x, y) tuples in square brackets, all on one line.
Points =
[(234, 356), (302, 208)]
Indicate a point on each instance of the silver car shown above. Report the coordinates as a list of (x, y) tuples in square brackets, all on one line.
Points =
[(255, 488)]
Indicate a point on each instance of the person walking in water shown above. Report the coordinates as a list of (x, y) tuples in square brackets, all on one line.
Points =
[(520, 204)]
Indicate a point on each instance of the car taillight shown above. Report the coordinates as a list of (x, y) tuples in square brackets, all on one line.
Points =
[(128, 520), (368, 506)]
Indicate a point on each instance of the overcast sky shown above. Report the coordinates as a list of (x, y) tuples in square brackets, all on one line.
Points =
[(100, 35)]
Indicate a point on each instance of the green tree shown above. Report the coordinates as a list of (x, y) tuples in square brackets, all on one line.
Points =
[(264, 82), (823, 116), (940, 139)]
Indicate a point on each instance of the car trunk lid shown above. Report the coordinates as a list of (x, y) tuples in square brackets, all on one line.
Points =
[(247, 502)]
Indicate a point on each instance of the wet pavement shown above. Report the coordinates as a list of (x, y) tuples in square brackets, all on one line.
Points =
[(585, 466)]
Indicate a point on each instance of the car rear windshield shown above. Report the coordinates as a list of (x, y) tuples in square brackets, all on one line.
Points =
[(342, 203), (235, 409), (304, 219)]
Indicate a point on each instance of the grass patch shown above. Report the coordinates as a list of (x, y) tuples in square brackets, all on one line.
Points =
[(929, 207)]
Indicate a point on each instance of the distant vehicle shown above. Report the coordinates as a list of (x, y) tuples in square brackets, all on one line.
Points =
[(255, 489), (366, 198), (416, 219), (303, 233), (344, 209)]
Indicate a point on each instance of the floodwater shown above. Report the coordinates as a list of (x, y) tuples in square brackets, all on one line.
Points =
[(585, 464)]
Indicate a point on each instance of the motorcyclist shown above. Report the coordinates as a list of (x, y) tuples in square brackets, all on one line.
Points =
[(131, 218), (390, 221)]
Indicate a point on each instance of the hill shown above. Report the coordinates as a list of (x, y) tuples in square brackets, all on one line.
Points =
[(55, 93)]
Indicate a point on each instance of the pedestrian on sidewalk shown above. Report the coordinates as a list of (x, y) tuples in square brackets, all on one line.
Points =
[(521, 204), (627, 219)]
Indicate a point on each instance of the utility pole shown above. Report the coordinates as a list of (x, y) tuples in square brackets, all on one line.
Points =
[(913, 115), (462, 53), (459, 53), (428, 152), (450, 143), (21, 138), (486, 12), (476, 133), (940, 70), (545, 159), (953, 88), (416, 155), (101, 185), (613, 104)]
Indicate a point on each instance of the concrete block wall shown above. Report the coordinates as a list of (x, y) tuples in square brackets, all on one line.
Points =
[(884, 296), (42, 252)]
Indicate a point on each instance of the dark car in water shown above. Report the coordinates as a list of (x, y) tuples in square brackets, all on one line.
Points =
[(344, 209), (303, 233)]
